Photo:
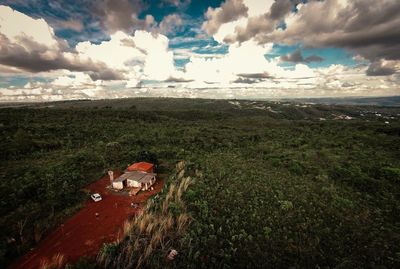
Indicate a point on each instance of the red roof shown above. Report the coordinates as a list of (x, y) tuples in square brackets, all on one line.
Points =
[(141, 166)]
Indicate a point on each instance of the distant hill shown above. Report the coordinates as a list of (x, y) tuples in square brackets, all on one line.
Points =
[(376, 101), (162, 103)]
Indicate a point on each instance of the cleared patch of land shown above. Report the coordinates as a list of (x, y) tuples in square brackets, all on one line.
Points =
[(84, 233)]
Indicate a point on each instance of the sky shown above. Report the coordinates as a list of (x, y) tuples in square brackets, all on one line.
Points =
[(233, 49)]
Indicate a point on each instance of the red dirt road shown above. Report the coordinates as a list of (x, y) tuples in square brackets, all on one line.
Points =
[(84, 233)]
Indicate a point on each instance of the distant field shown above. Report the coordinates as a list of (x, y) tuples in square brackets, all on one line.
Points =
[(370, 101), (185, 103), (285, 185)]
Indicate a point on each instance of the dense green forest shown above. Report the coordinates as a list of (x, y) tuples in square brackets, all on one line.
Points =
[(283, 184)]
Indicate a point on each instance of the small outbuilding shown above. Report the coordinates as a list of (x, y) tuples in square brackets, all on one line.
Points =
[(135, 179), (142, 167), (119, 183)]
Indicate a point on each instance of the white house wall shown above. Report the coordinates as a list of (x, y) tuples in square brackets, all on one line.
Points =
[(133, 183), (118, 185)]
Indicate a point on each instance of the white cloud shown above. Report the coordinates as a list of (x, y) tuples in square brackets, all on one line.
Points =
[(257, 7), (170, 23), (116, 53), (15, 25), (29, 46), (229, 11), (75, 80), (245, 58)]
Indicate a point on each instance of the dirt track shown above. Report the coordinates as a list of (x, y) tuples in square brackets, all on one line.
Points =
[(83, 234)]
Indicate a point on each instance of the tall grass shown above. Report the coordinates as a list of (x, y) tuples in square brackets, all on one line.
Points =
[(154, 231), (56, 262)]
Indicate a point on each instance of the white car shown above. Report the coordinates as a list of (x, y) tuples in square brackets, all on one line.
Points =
[(96, 197)]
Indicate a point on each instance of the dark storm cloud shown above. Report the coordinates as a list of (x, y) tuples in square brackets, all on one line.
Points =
[(230, 10), (30, 56), (280, 8), (178, 80), (105, 74), (297, 57), (121, 15), (255, 75), (368, 28), (265, 23), (251, 78), (246, 80), (380, 69)]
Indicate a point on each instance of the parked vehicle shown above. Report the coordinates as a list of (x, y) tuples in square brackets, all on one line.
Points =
[(96, 197)]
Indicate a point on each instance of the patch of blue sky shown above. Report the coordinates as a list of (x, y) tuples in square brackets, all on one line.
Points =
[(158, 10), (61, 9), (192, 13), (330, 56), (93, 34), (192, 38), (19, 81), (186, 42), (282, 25), (16, 81), (148, 82), (197, 8), (64, 10), (206, 47), (180, 63), (279, 50), (218, 50)]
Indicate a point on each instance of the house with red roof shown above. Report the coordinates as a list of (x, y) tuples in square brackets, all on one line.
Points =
[(139, 176), (142, 167)]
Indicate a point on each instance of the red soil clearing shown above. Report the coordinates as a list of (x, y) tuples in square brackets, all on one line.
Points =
[(84, 233)]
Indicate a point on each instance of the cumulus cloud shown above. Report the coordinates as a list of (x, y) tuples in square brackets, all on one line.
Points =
[(334, 81), (252, 78), (178, 80), (122, 15), (170, 24), (274, 12), (297, 57), (245, 80), (368, 28), (246, 58), (382, 68), (263, 75), (245, 63), (16, 25), (72, 24), (39, 59), (30, 45), (141, 56), (229, 11)]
